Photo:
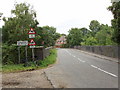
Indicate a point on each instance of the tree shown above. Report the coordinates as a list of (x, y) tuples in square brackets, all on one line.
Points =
[(90, 41), (17, 27), (46, 36), (94, 27), (115, 9), (1, 15), (74, 37), (85, 31), (104, 36)]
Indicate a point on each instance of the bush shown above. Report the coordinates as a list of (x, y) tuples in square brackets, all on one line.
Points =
[(10, 54), (50, 59), (32, 65)]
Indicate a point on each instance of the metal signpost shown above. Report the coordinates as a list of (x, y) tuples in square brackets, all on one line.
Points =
[(25, 43), (22, 43), (32, 42)]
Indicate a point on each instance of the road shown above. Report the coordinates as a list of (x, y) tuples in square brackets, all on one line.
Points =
[(75, 69)]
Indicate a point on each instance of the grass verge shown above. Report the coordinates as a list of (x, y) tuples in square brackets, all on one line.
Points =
[(51, 59)]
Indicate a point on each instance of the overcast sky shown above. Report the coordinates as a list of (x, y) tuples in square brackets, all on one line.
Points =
[(64, 14)]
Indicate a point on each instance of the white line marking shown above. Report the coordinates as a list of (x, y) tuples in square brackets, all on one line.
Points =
[(80, 60), (74, 56), (104, 71), (94, 66), (68, 52)]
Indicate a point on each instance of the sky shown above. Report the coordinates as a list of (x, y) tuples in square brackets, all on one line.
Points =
[(64, 14)]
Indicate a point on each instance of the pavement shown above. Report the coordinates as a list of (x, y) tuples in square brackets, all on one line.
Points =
[(75, 69)]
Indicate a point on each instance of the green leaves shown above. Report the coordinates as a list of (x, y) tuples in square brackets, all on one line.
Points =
[(115, 9), (17, 27), (97, 35), (75, 36), (94, 26)]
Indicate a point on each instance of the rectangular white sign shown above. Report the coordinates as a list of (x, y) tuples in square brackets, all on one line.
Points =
[(31, 35), (32, 46), (22, 43)]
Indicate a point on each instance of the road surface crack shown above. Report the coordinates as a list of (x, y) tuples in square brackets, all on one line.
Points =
[(48, 79)]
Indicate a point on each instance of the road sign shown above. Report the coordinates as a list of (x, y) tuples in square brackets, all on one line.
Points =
[(32, 42), (32, 46), (22, 43), (31, 31), (31, 35)]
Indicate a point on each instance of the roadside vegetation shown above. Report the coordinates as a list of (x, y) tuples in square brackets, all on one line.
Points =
[(98, 33), (40, 64), (16, 29), (24, 17)]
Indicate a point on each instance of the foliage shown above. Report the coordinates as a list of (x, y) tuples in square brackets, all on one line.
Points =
[(74, 37), (10, 54), (50, 59), (90, 41), (46, 36), (16, 28), (32, 66), (94, 27), (115, 9), (99, 34), (104, 36)]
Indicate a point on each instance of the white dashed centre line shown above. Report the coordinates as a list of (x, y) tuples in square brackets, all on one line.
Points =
[(93, 66), (80, 60), (104, 71), (74, 56)]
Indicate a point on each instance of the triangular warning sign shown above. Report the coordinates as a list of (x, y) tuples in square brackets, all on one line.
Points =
[(32, 42), (31, 31)]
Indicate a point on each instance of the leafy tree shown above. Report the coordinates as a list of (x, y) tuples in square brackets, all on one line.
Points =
[(46, 36), (17, 27), (104, 36), (74, 37), (115, 9), (1, 15), (85, 31), (90, 41), (94, 27), (63, 34)]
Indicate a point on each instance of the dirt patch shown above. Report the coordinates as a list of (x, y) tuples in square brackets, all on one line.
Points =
[(29, 79)]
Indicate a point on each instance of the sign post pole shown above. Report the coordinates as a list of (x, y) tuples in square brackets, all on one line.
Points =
[(19, 54), (32, 43), (33, 56), (26, 54)]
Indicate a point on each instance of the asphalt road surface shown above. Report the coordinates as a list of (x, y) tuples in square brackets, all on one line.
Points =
[(75, 69)]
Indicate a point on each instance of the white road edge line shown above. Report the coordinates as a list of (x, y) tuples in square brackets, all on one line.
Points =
[(104, 71)]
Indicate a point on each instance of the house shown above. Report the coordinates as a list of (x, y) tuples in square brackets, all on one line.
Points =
[(60, 41)]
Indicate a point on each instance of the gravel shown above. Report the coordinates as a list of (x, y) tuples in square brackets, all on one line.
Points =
[(29, 79)]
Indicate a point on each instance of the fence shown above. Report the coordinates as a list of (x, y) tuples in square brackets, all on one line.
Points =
[(110, 51)]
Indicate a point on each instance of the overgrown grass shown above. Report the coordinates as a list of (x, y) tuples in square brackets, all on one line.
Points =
[(51, 59)]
